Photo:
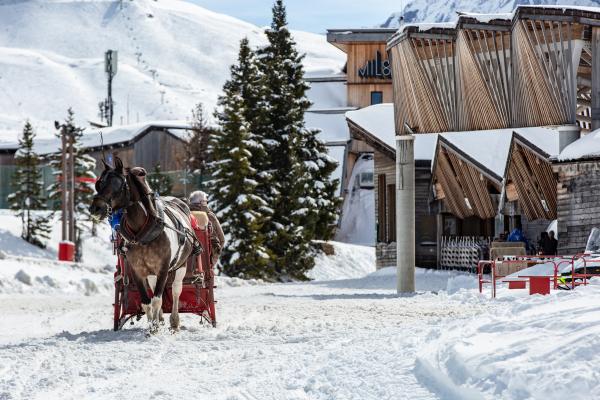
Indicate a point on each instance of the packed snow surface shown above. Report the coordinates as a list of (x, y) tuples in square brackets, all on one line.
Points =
[(172, 55), (346, 335)]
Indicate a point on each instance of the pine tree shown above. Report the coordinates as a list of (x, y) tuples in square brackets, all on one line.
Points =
[(283, 108), (234, 179), (84, 180), (197, 155), (27, 182), (160, 182), (319, 203)]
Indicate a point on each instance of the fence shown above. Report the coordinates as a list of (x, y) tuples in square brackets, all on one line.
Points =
[(463, 252)]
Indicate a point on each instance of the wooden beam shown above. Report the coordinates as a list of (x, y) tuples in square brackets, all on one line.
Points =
[(595, 78)]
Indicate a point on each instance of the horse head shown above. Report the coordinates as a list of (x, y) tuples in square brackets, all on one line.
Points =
[(111, 190)]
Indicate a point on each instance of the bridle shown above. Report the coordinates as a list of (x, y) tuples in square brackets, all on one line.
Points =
[(101, 185)]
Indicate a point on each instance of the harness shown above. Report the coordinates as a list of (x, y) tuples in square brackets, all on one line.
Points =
[(153, 225)]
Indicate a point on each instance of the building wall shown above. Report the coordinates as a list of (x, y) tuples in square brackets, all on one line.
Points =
[(359, 87), (425, 219), (578, 204)]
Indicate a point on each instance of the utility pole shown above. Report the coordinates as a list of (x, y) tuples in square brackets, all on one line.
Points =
[(405, 211), (110, 67), (63, 140)]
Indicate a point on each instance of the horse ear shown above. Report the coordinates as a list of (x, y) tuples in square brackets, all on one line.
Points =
[(106, 166), (118, 165)]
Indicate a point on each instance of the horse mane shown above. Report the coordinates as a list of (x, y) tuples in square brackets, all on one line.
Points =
[(140, 191)]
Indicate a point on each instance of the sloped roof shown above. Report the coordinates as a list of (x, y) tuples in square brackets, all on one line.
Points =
[(587, 147), (112, 136), (378, 121)]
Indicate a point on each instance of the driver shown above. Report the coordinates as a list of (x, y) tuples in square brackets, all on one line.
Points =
[(199, 202)]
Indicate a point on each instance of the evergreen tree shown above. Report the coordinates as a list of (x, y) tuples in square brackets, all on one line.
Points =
[(160, 182), (27, 182), (234, 179), (319, 203), (84, 179), (197, 155), (283, 134)]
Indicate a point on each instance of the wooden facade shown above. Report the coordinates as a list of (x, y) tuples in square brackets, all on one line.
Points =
[(385, 201), (530, 180), (367, 67), (467, 188), (533, 70)]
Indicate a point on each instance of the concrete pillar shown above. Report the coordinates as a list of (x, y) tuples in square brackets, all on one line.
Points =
[(567, 135), (405, 213)]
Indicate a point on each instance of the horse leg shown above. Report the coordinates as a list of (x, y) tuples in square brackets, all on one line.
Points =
[(139, 283), (156, 303), (152, 284), (176, 290)]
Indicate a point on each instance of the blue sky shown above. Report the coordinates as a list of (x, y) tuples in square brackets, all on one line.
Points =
[(309, 15)]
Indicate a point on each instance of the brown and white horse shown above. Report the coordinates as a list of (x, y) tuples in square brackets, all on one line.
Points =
[(156, 242)]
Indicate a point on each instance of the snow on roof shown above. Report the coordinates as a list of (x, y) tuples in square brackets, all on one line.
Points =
[(587, 146), (327, 94), (378, 120), (490, 148), (333, 126), (425, 26), (486, 18), (562, 7), (112, 135)]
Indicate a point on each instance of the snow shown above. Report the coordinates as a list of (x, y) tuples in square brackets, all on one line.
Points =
[(313, 340), (357, 224), (486, 18), (478, 144), (327, 95), (349, 261), (378, 120), (172, 55), (587, 146), (485, 10), (333, 126)]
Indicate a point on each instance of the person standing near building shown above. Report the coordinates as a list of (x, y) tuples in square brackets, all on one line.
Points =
[(553, 244), (199, 202)]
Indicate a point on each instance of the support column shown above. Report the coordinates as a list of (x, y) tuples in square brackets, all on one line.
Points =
[(405, 213), (595, 77)]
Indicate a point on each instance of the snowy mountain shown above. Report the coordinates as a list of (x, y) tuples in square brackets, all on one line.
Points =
[(443, 10), (172, 55)]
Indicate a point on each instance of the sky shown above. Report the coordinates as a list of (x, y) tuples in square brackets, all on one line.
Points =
[(309, 15)]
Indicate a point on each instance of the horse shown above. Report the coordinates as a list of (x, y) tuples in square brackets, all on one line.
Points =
[(157, 235)]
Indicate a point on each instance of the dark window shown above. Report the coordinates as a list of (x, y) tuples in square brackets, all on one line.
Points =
[(376, 98), (391, 214), (381, 208)]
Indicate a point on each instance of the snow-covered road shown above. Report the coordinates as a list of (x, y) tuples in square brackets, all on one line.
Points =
[(327, 340)]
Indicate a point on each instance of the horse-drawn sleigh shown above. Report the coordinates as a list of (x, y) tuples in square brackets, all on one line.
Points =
[(164, 252)]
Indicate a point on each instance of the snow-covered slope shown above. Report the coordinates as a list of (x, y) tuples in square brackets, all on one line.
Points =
[(442, 10), (172, 55)]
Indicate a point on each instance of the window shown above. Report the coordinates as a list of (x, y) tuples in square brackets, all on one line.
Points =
[(376, 98), (381, 209), (391, 213), (366, 180)]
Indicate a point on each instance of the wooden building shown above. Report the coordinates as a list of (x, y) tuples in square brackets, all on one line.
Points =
[(532, 68), (374, 126), (368, 70), (144, 144), (577, 169)]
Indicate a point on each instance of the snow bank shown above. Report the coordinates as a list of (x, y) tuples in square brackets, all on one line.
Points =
[(427, 280), (97, 250), (531, 347), (349, 261)]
